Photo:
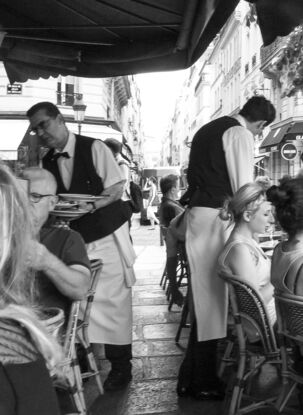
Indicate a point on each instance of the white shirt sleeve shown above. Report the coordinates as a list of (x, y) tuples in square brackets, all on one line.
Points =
[(238, 145), (105, 164)]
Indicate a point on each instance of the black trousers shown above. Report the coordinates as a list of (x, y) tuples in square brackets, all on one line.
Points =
[(198, 370), (119, 356)]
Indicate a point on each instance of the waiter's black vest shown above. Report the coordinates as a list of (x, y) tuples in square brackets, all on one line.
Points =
[(209, 164), (85, 180)]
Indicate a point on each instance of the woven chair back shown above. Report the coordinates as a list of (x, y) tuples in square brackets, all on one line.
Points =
[(247, 304), (290, 315)]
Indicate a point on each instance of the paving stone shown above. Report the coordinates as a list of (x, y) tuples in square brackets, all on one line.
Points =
[(162, 331), (163, 367), (151, 397), (164, 348), (154, 314)]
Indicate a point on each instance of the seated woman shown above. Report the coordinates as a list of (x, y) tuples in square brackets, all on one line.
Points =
[(251, 213), (27, 351)]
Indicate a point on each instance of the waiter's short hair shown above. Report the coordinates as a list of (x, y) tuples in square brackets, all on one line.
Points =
[(51, 109), (258, 108)]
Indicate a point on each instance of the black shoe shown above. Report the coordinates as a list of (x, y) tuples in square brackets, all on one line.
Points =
[(208, 395), (183, 391), (116, 380)]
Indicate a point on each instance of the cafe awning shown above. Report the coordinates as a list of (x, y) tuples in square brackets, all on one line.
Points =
[(105, 38), (275, 136), (295, 132)]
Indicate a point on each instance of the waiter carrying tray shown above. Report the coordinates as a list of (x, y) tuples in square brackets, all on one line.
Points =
[(84, 165)]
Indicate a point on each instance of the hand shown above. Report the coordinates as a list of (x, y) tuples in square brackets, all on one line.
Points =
[(36, 255), (177, 297), (86, 206)]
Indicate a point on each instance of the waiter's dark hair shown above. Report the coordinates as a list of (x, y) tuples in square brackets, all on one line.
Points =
[(50, 109), (258, 108), (114, 145)]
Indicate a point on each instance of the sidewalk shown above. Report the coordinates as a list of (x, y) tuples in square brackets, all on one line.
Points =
[(156, 358)]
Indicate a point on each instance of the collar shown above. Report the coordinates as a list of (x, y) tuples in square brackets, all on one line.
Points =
[(241, 120), (69, 146)]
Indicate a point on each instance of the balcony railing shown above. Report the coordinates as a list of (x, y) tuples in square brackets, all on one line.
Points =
[(270, 51)]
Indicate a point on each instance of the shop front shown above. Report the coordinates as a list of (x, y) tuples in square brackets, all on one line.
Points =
[(284, 147)]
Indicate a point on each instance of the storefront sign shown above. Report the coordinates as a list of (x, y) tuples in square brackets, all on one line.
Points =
[(14, 89), (299, 137), (289, 151)]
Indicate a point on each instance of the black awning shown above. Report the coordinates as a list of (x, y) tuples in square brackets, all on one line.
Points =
[(98, 38), (105, 38), (275, 136), (295, 132)]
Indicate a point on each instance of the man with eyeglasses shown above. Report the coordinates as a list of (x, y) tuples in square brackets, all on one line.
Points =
[(58, 254), (84, 165)]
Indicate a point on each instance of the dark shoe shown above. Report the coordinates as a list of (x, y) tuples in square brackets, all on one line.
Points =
[(116, 380), (183, 391), (208, 395)]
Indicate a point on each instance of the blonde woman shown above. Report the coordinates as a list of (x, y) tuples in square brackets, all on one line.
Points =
[(250, 212), (27, 352)]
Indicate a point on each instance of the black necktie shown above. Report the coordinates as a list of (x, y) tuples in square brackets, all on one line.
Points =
[(56, 156)]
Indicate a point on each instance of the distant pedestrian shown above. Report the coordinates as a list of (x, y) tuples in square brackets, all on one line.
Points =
[(169, 206)]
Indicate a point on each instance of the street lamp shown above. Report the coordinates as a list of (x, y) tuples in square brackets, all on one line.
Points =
[(79, 110)]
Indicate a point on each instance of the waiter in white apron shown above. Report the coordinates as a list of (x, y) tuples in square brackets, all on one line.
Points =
[(221, 161), (86, 166)]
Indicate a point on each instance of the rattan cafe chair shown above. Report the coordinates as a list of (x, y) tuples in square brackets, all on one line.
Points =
[(82, 327), (247, 306), (290, 330)]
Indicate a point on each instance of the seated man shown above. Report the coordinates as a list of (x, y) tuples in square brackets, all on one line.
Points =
[(60, 256), (169, 207), (175, 234)]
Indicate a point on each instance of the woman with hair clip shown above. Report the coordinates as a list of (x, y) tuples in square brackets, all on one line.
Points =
[(251, 213), (27, 351), (287, 260)]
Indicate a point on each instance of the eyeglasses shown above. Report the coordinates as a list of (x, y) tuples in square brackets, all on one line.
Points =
[(43, 125), (36, 197)]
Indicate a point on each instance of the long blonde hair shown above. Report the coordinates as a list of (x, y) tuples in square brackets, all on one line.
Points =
[(16, 279)]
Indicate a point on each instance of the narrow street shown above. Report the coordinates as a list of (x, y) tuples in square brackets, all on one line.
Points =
[(156, 358)]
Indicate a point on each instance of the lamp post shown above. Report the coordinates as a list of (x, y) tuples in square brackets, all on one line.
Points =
[(79, 111)]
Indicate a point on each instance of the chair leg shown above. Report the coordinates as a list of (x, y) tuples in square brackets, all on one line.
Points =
[(184, 315), (90, 357), (237, 389), (227, 356), (163, 278), (287, 390)]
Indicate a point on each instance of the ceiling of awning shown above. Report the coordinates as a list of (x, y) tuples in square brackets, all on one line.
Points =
[(104, 38)]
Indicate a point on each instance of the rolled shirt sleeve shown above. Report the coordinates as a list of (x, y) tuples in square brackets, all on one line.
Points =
[(238, 145), (105, 164)]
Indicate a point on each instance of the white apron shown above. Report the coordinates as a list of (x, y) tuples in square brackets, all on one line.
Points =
[(206, 235), (111, 313)]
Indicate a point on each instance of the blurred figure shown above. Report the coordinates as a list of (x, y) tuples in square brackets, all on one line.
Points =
[(26, 349), (151, 185), (169, 207), (242, 258), (287, 260)]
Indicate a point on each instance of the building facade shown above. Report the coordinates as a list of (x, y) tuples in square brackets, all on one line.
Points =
[(112, 110)]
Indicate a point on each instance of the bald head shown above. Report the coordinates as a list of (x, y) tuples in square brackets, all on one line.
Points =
[(42, 179)]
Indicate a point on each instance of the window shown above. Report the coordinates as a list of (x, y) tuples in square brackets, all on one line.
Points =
[(65, 91)]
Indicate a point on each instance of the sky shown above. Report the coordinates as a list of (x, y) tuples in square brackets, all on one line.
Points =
[(158, 95)]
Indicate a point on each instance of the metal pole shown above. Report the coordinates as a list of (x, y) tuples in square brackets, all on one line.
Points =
[(79, 128)]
